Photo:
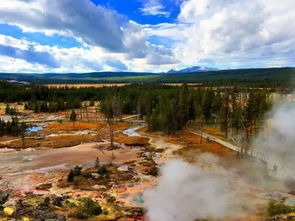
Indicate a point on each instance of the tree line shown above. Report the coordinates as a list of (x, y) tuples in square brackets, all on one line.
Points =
[(13, 127), (52, 106), (165, 108), (168, 109)]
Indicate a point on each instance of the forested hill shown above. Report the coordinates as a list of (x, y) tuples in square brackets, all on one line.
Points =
[(279, 76)]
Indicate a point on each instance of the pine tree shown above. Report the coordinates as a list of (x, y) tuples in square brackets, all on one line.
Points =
[(73, 118)]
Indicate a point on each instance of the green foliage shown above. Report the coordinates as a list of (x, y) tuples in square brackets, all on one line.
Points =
[(103, 171), (87, 175), (77, 170), (74, 172), (267, 77), (87, 208), (52, 106), (71, 176), (13, 127), (165, 108), (169, 109), (3, 198), (277, 208)]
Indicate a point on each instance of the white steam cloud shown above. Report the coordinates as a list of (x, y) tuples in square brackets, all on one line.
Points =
[(205, 190), (277, 143), (187, 192)]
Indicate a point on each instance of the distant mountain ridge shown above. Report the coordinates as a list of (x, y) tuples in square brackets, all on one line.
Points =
[(194, 69), (270, 76)]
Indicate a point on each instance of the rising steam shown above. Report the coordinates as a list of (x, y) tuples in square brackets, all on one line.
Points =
[(277, 143), (187, 192)]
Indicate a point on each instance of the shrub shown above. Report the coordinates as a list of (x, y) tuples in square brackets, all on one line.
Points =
[(276, 208), (154, 171), (87, 209), (3, 198), (87, 175), (77, 170), (71, 176), (102, 171)]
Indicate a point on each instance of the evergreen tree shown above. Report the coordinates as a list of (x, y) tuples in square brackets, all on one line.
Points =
[(73, 118)]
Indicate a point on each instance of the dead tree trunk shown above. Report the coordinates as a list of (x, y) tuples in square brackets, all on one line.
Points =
[(111, 130), (86, 111)]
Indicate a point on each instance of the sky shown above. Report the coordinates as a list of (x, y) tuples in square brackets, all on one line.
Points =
[(60, 36)]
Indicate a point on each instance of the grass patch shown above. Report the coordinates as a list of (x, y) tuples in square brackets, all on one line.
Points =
[(86, 209), (276, 208)]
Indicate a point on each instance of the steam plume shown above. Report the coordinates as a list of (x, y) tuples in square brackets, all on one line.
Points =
[(278, 143), (186, 192)]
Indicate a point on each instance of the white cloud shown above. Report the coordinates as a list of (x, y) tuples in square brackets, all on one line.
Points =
[(238, 32), (76, 59), (82, 19), (232, 33), (92, 24), (155, 8), (160, 55), (228, 33), (14, 42), (104, 33)]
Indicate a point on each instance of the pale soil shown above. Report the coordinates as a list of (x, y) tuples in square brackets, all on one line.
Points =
[(60, 159)]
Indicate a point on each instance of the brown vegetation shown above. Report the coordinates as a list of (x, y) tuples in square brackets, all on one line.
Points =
[(192, 142), (84, 85), (68, 126), (131, 141), (58, 141)]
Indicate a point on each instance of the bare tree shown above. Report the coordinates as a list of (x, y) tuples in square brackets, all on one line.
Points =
[(111, 129), (86, 111), (200, 124)]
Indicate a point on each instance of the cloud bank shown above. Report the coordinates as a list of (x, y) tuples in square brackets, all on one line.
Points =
[(233, 33), (30, 56), (228, 33)]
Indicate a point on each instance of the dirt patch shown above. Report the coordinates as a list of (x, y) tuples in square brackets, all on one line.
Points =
[(214, 132), (50, 142), (192, 142), (131, 141), (7, 138)]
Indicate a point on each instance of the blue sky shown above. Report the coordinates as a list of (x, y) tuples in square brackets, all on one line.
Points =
[(144, 35), (131, 8)]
